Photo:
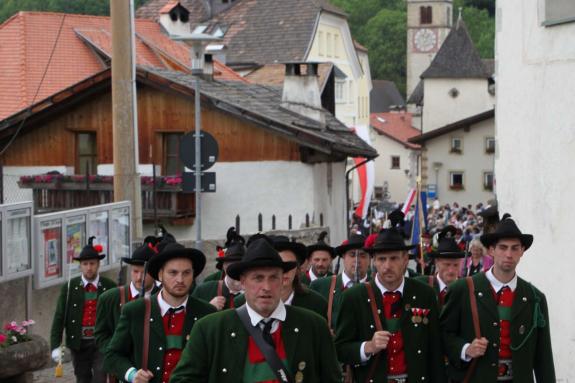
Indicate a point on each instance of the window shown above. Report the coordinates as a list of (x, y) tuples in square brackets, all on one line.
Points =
[(456, 145), (488, 180), (86, 155), (425, 15), (172, 165), (456, 180), (559, 12), (339, 91), (320, 43), (336, 45), (378, 193), (395, 162), (329, 45), (489, 145)]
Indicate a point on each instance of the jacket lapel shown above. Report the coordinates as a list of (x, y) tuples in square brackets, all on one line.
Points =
[(291, 333), (484, 295), (237, 338), (521, 300), (156, 322)]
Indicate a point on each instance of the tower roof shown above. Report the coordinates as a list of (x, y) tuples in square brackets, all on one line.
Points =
[(457, 57)]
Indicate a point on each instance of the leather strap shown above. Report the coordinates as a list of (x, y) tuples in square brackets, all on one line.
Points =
[(122, 295), (146, 341), (378, 327), (476, 327), (272, 358), (330, 299), (431, 280), (220, 291)]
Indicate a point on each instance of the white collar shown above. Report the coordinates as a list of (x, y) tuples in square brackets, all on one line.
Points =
[(136, 291), (384, 290), (226, 281), (95, 282), (345, 279), (165, 306), (312, 276), (442, 284), (497, 285), (290, 299), (279, 313)]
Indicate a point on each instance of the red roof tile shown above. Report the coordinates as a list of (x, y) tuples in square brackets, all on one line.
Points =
[(395, 125), (27, 39)]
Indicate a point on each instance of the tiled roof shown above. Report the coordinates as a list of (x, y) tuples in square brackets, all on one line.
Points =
[(457, 57), (383, 95), (467, 122), (417, 94), (199, 9), (83, 49), (359, 47), (273, 74), (395, 125)]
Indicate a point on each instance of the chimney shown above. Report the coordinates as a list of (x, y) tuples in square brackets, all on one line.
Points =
[(301, 91), (218, 51), (208, 67), (175, 18)]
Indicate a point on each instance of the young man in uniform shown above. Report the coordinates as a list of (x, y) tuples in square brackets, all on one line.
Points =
[(152, 332), (355, 265), (221, 293), (111, 302), (76, 313), (514, 342), (298, 340), (388, 328), (320, 256)]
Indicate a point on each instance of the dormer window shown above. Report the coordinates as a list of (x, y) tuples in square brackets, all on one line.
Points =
[(180, 13)]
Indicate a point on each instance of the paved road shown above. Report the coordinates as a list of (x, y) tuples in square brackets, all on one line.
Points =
[(47, 375)]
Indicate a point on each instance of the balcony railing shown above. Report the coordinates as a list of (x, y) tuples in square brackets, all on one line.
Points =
[(54, 192)]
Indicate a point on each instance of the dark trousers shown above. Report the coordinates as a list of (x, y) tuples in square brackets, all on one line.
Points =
[(88, 363)]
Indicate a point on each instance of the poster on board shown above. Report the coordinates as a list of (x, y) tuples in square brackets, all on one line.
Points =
[(51, 237), (120, 238), (99, 229), (18, 241), (75, 239)]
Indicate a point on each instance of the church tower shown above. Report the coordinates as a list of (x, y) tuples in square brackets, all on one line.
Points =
[(428, 24)]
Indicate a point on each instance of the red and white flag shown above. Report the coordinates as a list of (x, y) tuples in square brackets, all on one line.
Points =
[(409, 200)]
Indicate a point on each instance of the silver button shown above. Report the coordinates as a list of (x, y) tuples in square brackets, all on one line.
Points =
[(480, 294), (233, 334), (413, 297), (157, 368), (370, 326), (72, 336), (224, 370), (73, 321), (524, 299), (195, 318), (160, 348), (75, 305), (494, 344), (296, 330), (419, 351), (368, 300), (494, 324), (423, 378), (151, 319), (493, 365)]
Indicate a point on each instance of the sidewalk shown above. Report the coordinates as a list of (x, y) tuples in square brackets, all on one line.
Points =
[(47, 375)]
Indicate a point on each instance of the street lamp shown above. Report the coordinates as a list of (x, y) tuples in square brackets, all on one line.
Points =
[(198, 43)]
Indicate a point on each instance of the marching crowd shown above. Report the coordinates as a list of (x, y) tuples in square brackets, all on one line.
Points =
[(275, 311)]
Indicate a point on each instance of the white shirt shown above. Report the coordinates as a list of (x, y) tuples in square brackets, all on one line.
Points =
[(94, 282), (497, 285), (442, 284), (312, 276), (165, 306), (134, 291), (345, 280), (279, 314), (364, 357)]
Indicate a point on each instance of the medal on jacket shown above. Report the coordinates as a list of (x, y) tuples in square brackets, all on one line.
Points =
[(299, 374)]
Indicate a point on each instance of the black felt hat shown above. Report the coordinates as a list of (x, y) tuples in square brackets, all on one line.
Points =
[(389, 240), (321, 245), (143, 253), (396, 218), (90, 251), (355, 241), (260, 253), (173, 251), (446, 245), (282, 243), (507, 228), (234, 248), (164, 239)]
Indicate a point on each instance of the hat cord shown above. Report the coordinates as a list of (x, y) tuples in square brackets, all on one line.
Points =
[(538, 320)]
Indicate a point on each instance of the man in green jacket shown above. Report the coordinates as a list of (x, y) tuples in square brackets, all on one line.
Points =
[(300, 339), (514, 343), (172, 314), (111, 302), (76, 314), (388, 329), (320, 256), (355, 265)]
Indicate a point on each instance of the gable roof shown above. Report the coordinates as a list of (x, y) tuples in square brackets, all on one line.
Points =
[(417, 94), (274, 74), (199, 9), (383, 95), (457, 57), (395, 125), (83, 49), (269, 31), (464, 123)]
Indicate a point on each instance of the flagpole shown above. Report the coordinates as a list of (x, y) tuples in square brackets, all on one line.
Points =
[(420, 213)]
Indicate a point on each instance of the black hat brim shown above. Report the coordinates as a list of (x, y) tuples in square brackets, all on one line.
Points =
[(491, 239), (88, 257), (133, 262), (300, 250), (321, 247), (341, 250), (157, 262), (381, 249), (447, 254), (235, 270), (229, 258)]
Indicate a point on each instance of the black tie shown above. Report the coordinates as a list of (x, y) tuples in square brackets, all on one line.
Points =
[(266, 332), (171, 312)]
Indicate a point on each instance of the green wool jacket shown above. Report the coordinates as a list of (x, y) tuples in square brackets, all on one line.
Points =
[(534, 355), (422, 342), (108, 314), (425, 279), (215, 276), (125, 348), (209, 290), (216, 352), (75, 309), (304, 279), (321, 286), (306, 299)]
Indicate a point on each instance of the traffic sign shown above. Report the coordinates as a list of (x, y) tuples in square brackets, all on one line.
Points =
[(209, 150), (208, 182)]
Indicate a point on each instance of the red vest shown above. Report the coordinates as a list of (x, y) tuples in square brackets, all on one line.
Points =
[(173, 328), (256, 361), (504, 307), (89, 313), (395, 351)]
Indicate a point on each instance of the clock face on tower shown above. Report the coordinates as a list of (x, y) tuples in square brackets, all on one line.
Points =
[(425, 40)]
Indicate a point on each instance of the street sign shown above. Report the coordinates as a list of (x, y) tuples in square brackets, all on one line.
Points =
[(431, 191), (208, 182), (209, 150)]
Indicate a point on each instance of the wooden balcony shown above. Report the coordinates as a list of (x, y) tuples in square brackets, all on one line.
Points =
[(70, 192)]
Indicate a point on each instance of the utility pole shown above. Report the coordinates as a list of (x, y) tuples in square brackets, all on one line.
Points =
[(124, 113)]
